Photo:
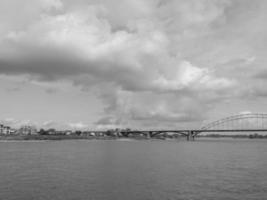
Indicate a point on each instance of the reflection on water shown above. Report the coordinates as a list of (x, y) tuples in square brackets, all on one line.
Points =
[(74, 170)]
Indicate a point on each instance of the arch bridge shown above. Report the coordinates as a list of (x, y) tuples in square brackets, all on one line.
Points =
[(249, 122)]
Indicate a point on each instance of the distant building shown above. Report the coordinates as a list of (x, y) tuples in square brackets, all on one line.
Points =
[(13, 131), (51, 131), (5, 130), (99, 134), (1, 128), (92, 134), (27, 130), (68, 132), (60, 133)]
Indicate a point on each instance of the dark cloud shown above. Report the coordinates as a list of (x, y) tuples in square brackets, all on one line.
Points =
[(261, 75)]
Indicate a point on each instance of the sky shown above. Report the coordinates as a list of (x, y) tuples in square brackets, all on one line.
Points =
[(99, 64)]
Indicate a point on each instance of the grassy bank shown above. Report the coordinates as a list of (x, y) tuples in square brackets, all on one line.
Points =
[(51, 137)]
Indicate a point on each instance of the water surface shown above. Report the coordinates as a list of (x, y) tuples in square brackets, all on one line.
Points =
[(149, 169)]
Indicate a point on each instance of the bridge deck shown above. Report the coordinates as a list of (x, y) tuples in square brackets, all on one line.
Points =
[(197, 130)]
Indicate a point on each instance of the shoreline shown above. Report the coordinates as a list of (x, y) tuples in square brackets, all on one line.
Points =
[(76, 137), (60, 137)]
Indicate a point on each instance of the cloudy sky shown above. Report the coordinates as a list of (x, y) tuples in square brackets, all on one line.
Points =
[(131, 63)]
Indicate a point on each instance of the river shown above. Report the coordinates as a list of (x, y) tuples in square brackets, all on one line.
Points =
[(232, 169)]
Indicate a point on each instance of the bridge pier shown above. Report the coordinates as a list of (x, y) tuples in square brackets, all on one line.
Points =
[(190, 136), (148, 135)]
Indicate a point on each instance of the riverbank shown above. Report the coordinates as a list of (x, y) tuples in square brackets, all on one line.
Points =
[(53, 137), (81, 137), (65, 137)]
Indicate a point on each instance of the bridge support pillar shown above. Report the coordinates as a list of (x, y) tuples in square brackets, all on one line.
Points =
[(148, 135), (190, 136)]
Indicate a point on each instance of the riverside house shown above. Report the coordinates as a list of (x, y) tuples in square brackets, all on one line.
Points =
[(4, 130)]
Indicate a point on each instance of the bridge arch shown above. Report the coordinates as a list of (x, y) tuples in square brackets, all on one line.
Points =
[(241, 121), (155, 133)]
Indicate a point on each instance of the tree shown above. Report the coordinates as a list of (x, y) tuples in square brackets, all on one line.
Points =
[(42, 132), (78, 132)]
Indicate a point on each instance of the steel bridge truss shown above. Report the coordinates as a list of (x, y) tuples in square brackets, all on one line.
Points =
[(239, 122)]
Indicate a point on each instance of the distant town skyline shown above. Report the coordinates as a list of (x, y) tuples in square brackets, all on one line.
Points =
[(100, 64)]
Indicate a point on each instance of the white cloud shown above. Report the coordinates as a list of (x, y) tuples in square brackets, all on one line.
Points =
[(15, 123), (245, 112), (149, 60), (48, 4), (78, 125)]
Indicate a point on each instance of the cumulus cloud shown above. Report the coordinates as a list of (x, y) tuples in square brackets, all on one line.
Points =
[(78, 125), (49, 124), (245, 112), (80, 42), (15, 123), (140, 58)]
